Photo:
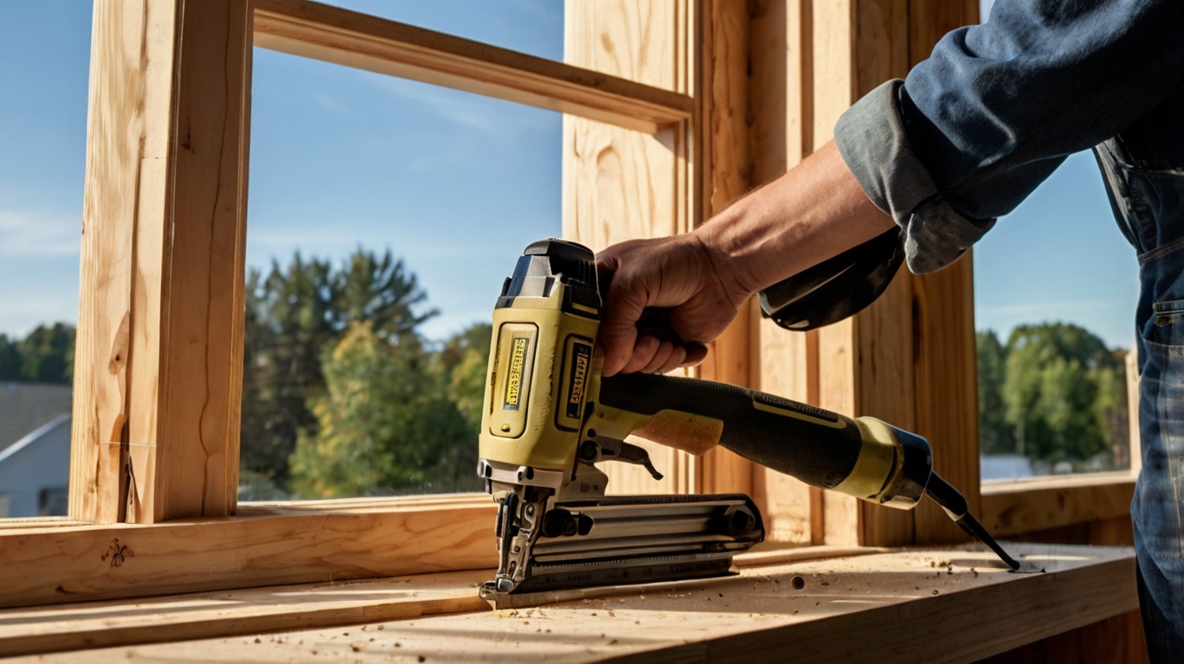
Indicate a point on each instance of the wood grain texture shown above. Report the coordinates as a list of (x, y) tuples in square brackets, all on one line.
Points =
[(1117, 639), (886, 332), (344, 37), (946, 378), (780, 136), (199, 386), (724, 153), (872, 608), (619, 184), (126, 127), (160, 322), (236, 612), (263, 546), (1014, 508), (909, 358), (1115, 531)]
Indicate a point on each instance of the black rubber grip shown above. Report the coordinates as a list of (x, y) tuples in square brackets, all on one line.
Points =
[(811, 451)]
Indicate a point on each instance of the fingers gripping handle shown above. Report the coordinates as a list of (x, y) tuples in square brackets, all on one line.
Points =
[(865, 458)]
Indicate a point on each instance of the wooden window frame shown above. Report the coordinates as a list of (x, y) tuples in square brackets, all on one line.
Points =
[(154, 461), (741, 97)]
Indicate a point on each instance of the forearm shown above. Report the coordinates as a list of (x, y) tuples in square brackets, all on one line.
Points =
[(815, 211)]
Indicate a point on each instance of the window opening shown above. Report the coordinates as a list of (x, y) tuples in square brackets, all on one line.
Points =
[(384, 215), (44, 63), (1055, 292)]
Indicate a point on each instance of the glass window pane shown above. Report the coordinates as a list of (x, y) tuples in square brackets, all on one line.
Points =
[(384, 216), (1055, 291), (44, 62)]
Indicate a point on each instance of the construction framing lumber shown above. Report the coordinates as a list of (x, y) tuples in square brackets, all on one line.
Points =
[(160, 332), (340, 36), (725, 169), (780, 99), (1014, 508), (622, 185), (262, 546), (901, 606), (251, 611), (282, 608)]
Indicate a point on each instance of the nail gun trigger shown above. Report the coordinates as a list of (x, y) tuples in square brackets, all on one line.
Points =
[(638, 455)]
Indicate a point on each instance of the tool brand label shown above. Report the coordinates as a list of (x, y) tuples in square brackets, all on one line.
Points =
[(518, 350), (581, 359)]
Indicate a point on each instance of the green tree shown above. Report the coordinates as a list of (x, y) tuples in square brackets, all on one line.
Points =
[(294, 314), (386, 423), (995, 434), (1061, 385), (10, 359), (288, 321), (466, 357), (47, 354)]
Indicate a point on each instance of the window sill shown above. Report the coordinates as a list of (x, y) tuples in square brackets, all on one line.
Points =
[(266, 544), (897, 600), (1020, 506)]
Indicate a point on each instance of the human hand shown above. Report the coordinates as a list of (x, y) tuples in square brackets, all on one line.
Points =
[(665, 299)]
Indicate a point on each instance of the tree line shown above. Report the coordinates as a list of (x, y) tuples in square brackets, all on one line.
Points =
[(45, 355), (1053, 392), (343, 396)]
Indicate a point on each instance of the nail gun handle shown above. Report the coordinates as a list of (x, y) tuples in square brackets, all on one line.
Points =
[(864, 457)]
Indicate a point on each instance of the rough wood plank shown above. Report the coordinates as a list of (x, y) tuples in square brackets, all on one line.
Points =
[(946, 378), (620, 184), (160, 355), (885, 332), (909, 358), (236, 612), (1117, 639), (723, 149), (1012, 508), (340, 36), (81, 563), (251, 611), (874, 608), (780, 136), (203, 247), (127, 143)]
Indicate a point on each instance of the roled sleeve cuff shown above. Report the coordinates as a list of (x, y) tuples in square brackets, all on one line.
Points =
[(873, 142)]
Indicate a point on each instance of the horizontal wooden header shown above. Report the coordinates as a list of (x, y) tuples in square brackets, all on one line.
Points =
[(322, 32)]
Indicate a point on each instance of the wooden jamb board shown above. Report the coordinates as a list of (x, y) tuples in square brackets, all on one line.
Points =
[(159, 377), (160, 326), (620, 184), (349, 38), (909, 358)]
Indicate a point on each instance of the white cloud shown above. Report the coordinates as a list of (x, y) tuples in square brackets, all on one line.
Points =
[(38, 234), (491, 116), (451, 106)]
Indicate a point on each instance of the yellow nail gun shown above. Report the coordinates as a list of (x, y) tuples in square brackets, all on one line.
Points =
[(550, 417)]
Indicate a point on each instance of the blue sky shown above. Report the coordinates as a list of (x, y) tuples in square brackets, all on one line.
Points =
[(455, 184)]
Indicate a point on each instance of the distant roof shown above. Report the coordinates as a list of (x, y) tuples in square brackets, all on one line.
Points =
[(26, 407), (59, 422)]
